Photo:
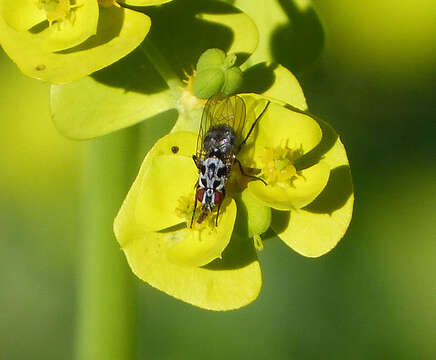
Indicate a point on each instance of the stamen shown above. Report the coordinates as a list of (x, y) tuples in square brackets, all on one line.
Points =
[(185, 207), (58, 10), (278, 164)]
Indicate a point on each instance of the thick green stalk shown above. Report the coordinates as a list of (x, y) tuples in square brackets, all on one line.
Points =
[(106, 304)]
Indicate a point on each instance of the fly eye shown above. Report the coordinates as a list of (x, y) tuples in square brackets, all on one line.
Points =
[(216, 183), (202, 169), (200, 195), (218, 198), (221, 171)]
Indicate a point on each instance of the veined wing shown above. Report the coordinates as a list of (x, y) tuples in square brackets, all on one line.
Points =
[(221, 109)]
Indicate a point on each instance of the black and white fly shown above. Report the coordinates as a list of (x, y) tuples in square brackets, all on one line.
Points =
[(218, 143)]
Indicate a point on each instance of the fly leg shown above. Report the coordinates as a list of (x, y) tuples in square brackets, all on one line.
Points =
[(195, 205), (195, 158), (217, 213), (219, 207), (246, 175), (254, 124)]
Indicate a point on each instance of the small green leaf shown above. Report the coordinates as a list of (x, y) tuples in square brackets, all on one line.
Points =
[(118, 96)]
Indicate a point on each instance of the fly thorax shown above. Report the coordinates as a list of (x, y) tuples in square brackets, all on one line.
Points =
[(219, 141)]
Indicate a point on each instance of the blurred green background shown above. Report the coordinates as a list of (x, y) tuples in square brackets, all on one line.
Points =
[(372, 297)]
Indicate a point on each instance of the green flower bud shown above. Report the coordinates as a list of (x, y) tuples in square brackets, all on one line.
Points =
[(232, 81), (211, 59), (208, 82), (229, 61), (216, 73)]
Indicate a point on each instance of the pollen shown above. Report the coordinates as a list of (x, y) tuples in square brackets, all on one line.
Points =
[(58, 10), (108, 3), (185, 207), (278, 164)]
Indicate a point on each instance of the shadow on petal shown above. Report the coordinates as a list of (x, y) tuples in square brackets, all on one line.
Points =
[(130, 73), (240, 252), (259, 78), (280, 220), (110, 23), (336, 193), (328, 140), (38, 28), (303, 33), (176, 22)]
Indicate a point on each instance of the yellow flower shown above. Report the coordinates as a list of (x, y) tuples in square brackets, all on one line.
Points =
[(64, 40), (215, 266)]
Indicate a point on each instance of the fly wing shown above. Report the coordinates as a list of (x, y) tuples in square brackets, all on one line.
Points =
[(205, 124), (221, 109), (230, 110)]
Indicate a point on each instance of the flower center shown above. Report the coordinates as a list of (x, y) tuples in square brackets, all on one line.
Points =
[(108, 3), (185, 209), (278, 164), (57, 10)]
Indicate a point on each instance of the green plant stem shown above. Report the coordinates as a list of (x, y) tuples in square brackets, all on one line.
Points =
[(162, 66), (106, 306)]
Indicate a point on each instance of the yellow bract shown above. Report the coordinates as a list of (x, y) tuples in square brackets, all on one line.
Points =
[(205, 242), (296, 192), (316, 228), (58, 10), (209, 288), (171, 258), (165, 179)]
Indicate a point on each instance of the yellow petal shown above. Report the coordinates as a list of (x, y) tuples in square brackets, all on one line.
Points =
[(301, 192), (181, 146), (278, 125), (245, 34), (278, 83), (317, 228), (286, 88), (22, 15), (198, 247), (225, 286), (167, 179)]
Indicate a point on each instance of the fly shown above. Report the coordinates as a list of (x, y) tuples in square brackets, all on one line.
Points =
[(218, 144)]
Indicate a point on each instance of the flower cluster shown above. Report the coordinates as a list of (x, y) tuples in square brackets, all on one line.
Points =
[(216, 266), (308, 199)]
